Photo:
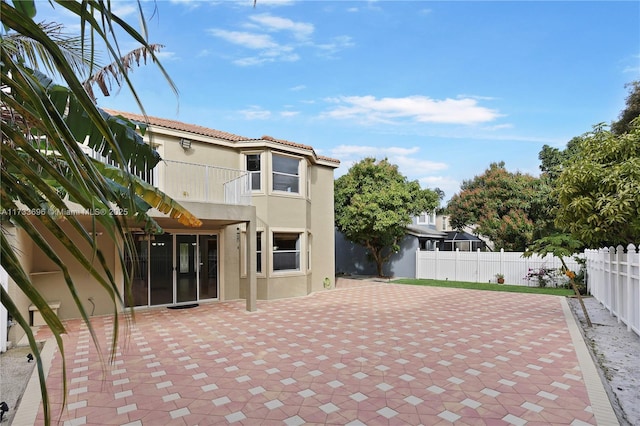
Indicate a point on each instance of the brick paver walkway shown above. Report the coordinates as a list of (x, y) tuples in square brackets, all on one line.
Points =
[(369, 355)]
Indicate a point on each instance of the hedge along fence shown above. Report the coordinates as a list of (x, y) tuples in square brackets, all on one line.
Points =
[(614, 280), (482, 266)]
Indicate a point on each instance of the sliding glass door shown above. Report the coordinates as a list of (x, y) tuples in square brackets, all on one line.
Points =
[(174, 269), (208, 266), (161, 269)]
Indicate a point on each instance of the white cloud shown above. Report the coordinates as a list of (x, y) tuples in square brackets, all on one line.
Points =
[(289, 113), (335, 45), (277, 39), (408, 160), (189, 4), (300, 30), (167, 56), (298, 88), (123, 10), (421, 109), (255, 113), (268, 49), (245, 39)]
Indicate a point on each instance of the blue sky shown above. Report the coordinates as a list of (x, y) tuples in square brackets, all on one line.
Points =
[(440, 88)]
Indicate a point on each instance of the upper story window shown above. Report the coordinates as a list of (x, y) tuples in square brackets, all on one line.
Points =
[(286, 173), (254, 168), (427, 218)]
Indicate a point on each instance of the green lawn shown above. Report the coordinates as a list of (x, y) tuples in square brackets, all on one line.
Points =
[(488, 286)]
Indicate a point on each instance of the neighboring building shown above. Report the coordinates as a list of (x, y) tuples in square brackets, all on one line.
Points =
[(427, 232), (464, 240), (266, 206), (352, 259)]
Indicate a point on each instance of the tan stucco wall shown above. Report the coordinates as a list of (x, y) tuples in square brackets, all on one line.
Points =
[(21, 243), (52, 284), (322, 225)]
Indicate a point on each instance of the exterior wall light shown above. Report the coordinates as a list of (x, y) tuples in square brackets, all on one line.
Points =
[(185, 144)]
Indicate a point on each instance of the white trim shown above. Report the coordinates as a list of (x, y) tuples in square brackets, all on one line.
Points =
[(262, 172)]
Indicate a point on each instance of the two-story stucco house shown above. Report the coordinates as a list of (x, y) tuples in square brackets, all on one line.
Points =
[(266, 206)]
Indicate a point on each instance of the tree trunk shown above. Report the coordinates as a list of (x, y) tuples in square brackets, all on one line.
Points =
[(379, 265), (378, 258), (577, 292)]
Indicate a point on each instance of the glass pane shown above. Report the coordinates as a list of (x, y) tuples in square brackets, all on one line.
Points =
[(285, 183), (161, 261), (286, 252), (286, 261), (255, 181), (186, 277), (137, 264), (253, 163), (259, 252), (208, 266), (285, 165)]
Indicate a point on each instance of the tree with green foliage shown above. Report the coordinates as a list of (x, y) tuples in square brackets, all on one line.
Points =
[(374, 203), (598, 191), (43, 166), (631, 110), (500, 205)]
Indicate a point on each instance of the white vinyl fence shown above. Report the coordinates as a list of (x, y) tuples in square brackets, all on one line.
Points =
[(482, 267), (614, 280)]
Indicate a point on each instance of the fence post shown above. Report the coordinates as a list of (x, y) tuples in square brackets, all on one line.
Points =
[(478, 265), (435, 277), (619, 283), (631, 250), (501, 261), (610, 278), (456, 264)]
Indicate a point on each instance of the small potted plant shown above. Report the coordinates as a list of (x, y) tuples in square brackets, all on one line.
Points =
[(500, 278)]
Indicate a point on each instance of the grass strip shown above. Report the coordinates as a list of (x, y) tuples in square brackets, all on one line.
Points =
[(487, 286)]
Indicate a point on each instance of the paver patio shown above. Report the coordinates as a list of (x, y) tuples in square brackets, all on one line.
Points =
[(371, 355)]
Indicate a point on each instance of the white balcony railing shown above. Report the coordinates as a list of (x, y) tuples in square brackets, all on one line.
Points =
[(203, 183), (196, 182)]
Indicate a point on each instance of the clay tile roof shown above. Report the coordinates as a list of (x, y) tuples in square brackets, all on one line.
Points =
[(205, 131), (178, 125), (286, 142)]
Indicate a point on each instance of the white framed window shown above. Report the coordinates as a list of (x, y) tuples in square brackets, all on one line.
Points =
[(285, 173), (259, 250), (253, 164), (286, 251), (427, 218)]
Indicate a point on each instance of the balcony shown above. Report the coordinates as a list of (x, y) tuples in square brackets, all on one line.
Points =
[(202, 183), (195, 182)]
